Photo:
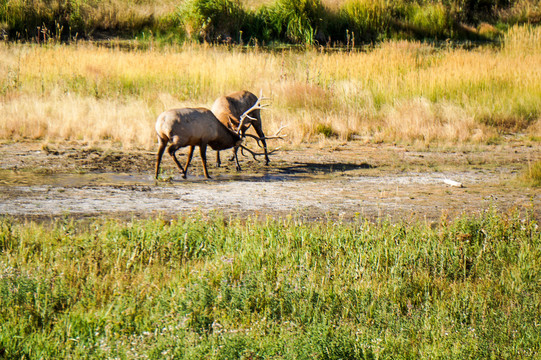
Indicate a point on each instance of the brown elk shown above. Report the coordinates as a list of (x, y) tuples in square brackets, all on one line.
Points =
[(192, 127), (240, 108)]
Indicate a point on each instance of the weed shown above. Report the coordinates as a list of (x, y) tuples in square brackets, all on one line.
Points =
[(325, 130)]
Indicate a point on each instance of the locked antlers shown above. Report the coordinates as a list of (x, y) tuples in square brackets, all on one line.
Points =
[(275, 136), (255, 154), (245, 117), (258, 139), (256, 106)]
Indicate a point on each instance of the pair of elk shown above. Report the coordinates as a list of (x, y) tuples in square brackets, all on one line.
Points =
[(223, 128)]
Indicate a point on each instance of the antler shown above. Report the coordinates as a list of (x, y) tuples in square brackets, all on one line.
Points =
[(254, 154), (232, 124), (256, 106), (275, 136)]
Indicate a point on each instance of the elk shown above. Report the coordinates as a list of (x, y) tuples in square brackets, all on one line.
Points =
[(238, 111), (192, 127)]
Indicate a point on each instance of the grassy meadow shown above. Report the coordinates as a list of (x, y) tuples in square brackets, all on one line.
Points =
[(396, 91), (207, 287), (202, 286)]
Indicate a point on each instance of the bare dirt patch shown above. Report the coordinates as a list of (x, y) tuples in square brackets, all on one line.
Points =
[(346, 181)]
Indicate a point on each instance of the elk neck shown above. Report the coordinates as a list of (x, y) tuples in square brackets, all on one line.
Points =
[(226, 140)]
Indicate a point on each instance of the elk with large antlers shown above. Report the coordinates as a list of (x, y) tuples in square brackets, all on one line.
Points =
[(192, 127), (238, 111)]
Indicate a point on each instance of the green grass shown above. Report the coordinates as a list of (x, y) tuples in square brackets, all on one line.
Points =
[(216, 288), (305, 22)]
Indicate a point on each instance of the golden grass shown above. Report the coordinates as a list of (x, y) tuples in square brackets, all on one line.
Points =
[(422, 121), (72, 117), (398, 91)]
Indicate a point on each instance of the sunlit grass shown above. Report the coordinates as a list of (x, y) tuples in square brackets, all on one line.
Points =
[(397, 91), (532, 174), (210, 287)]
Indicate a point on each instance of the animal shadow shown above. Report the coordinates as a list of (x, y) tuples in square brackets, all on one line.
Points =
[(312, 168)]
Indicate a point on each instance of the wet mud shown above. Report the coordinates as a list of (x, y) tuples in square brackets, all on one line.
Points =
[(338, 181)]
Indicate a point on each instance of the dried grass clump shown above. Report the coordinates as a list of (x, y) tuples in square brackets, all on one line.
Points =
[(71, 117), (297, 95), (419, 120), (535, 129), (532, 174)]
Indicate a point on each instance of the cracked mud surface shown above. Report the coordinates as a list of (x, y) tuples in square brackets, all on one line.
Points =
[(336, 181)]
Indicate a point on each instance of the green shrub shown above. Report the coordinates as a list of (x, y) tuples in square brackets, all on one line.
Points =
[(213, 20), (431, 20), (41, 19), (325, 130), (300, 21), (367, 20), (295, 22)]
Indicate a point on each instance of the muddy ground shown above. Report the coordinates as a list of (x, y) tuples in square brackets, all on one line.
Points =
[(334, 180)]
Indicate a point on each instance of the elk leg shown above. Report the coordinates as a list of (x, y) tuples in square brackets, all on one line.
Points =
[(203, 151), (171, 150), (259, 131), (161, 149), (218, 162), (190, 153), (235, 150)]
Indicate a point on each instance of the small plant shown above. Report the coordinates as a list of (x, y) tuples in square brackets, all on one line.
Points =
[(325, 130)]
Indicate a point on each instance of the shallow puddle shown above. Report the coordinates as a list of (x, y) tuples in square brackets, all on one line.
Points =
[(26, 178)]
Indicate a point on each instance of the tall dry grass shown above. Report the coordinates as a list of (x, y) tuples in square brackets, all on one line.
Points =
[(397, 91)]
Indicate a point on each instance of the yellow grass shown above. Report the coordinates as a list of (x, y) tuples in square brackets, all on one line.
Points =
[(72, 117), (398, 91)]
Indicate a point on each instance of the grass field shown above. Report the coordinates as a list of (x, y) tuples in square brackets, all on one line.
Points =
[(208, 287), (216, 288), (396, 91)]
